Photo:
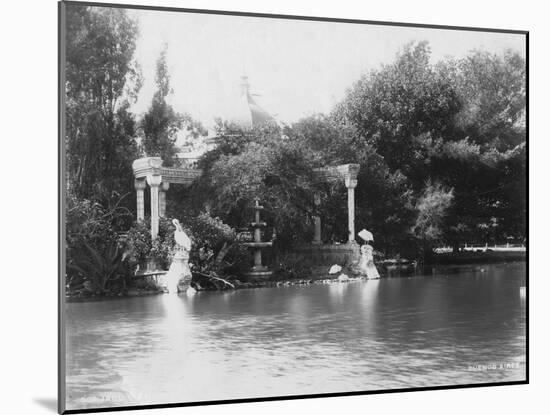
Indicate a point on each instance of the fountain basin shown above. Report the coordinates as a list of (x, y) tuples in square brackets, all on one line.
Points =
[(259, 272)]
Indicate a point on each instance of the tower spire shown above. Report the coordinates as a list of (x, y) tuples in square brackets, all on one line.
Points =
[(258, 114), (245, 86)]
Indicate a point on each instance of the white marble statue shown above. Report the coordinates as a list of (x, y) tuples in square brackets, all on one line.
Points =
[(366, 263), (179, 275)]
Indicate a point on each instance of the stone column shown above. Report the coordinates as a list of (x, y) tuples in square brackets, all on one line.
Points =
[(140, 185), (162, 198), (154, 183), (317, 221), (351, 184)]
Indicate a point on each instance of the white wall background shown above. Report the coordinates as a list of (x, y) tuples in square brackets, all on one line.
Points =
[(28, 271)]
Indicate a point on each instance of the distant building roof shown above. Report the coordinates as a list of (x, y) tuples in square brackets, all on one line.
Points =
[(247, 111)]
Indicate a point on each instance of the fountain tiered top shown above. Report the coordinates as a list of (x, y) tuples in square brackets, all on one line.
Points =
[(258, 270)]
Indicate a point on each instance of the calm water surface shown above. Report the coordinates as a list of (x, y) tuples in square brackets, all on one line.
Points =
[(453, 326)]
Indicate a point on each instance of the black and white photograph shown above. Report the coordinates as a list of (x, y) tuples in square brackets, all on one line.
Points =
[(259, 207)]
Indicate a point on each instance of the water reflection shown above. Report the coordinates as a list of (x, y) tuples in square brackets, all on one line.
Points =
[(420, 330)]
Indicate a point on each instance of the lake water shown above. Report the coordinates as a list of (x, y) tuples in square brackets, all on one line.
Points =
[(454, 325)]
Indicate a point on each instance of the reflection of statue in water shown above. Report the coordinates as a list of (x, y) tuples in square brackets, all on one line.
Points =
[(179, 275), (366, 263)]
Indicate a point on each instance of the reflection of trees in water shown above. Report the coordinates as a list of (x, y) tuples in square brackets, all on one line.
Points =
[(418, 329)]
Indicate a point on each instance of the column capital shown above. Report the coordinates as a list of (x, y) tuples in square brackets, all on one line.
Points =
[(139, 184), (351, 183), (164, 186), (154, 180)]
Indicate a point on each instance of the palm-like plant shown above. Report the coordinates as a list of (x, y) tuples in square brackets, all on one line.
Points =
[(99, 269)]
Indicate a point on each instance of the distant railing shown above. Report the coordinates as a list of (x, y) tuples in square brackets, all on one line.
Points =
[(483, 248)]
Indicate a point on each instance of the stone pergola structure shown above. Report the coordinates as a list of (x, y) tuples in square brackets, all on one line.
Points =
[(149, 171), (348, 173)]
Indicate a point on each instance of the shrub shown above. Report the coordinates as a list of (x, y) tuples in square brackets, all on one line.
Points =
[(140, 246), (162, 248), (87, 222), (98, 270), (138, 242), (90, 227), (208, 231), (215, 245)]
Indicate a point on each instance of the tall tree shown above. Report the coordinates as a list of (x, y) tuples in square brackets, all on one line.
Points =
[(161, 124), (397, 108), (487, 166), (458, 122), (101, 79), (432, 207), (492, 89)]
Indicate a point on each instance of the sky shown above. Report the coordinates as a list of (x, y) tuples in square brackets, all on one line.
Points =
[(296, 68)]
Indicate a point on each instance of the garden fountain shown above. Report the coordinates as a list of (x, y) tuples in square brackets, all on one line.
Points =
[(258, 270)]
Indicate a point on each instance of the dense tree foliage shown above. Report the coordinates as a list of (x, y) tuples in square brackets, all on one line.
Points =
[(260, 163), (101, 79), (400, 107), (383, 197), (460, 123), (492, 92), (441, 148)]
